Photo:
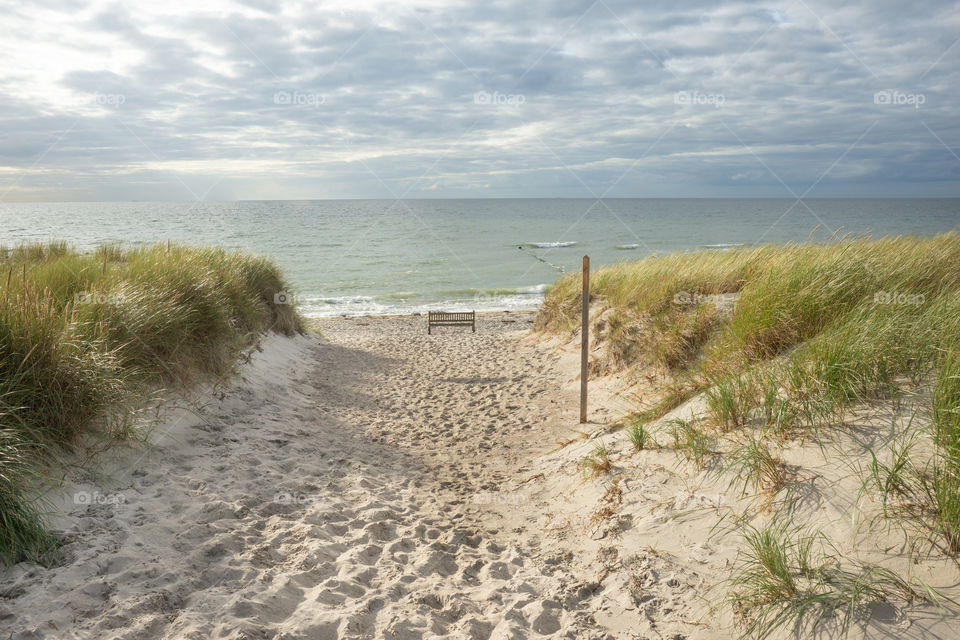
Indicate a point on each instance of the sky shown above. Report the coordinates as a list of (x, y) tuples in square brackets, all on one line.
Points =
[(261, 99)]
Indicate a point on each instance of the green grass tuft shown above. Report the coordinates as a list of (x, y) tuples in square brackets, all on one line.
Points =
[(754, 467), (784, 579), (640, 436), (694, 443), (731, 400), (598, 462)]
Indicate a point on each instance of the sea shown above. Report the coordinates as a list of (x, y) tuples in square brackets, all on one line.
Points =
[(372, 257)]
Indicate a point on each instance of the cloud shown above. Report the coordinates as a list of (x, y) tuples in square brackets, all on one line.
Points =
[(373, 99)]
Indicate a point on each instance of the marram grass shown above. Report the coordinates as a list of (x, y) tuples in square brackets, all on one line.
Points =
[(783, 341), (787, 578), (798, 330), (82, 334)]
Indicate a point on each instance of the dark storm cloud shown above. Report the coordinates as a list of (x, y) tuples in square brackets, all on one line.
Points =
[(266, 99)]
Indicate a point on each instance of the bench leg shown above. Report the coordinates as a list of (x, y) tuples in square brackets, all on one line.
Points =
[(428, 329)]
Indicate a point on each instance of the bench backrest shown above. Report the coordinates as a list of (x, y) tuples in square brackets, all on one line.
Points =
[(451, 316)]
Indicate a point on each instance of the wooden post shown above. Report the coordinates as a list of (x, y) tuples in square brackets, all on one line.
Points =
[(584, 338)]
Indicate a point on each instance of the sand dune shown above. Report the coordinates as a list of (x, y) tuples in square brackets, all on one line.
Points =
[(377, 482)]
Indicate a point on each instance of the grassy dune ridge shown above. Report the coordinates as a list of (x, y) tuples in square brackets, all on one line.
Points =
[(83, 335), (784, 342), (849, 317)]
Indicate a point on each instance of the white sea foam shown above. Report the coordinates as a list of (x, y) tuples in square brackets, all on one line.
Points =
[(534, 290), (551, 245), (345, 306), (507, 299)]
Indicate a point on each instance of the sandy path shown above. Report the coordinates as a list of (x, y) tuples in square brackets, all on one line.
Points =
[(365, 485)]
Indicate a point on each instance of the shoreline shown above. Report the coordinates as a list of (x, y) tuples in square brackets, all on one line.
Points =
[(452, 307), (417, 314)]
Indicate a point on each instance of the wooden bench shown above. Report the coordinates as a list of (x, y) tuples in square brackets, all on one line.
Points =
[(451, 319)]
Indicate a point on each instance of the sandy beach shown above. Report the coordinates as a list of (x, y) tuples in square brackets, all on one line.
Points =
[(376, 482), (372, 482)]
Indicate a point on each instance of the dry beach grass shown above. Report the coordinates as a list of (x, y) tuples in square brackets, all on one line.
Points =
[(85, 338)]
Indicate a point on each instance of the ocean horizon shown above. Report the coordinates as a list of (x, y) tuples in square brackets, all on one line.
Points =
[(378, 257)]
